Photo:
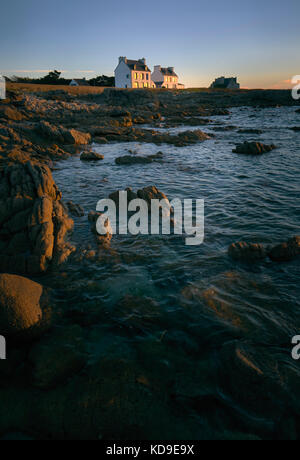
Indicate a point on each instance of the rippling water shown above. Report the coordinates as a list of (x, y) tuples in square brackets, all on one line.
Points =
[(190, 300)]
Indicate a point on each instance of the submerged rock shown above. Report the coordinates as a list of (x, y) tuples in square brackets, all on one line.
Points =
[(286, 251), (130, 160), (247, 252), (57, 357), (259, 379), (134, 159), (250, 131), (21, 306), (111, 400), (253, 148), (33, 220), (224, 128), (295, 128), (91, 156)]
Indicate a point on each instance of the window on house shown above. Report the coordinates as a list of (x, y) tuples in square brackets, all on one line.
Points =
[(147, 76), (135, 76), (141, 76), (145, 85), (136, 85), (128, 75)]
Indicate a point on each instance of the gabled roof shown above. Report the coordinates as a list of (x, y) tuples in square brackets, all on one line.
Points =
[(168, 72), (81, 81), (137, 65)]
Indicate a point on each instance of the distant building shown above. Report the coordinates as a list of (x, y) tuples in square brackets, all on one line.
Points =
[(226, 83), (133, 74), (79, 82), (165, 77), (2, 87)]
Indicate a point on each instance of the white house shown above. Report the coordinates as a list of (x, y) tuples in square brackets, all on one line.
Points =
[(165, 77), (133, 74), (2, 87), (79, 82)]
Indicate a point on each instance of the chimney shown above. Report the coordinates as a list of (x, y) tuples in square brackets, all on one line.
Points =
[(157, 67), (171, 69), (143, 61), (123, 58)]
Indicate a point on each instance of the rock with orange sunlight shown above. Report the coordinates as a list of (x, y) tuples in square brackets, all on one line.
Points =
[(253, 148), (23, 307), (33, 220), (247, 252)]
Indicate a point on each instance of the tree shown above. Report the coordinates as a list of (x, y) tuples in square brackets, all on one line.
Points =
[(52, 78)]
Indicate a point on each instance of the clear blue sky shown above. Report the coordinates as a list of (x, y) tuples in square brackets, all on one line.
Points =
[(256, 40)]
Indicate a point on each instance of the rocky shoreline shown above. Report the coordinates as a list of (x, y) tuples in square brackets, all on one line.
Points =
[(50, 386)]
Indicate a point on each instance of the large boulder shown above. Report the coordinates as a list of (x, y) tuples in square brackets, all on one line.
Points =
[(287, 251), (253, 148), (33, 221), (22, 306), (62, 135), (247, 252)]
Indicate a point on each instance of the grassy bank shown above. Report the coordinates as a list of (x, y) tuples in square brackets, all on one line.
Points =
[(32, 88)]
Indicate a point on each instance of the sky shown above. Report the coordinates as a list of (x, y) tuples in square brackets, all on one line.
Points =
[(256, 40)]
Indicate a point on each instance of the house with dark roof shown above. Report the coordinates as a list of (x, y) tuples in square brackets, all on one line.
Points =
[(133, 74), (165, 77), (226, 83), (79, 82)]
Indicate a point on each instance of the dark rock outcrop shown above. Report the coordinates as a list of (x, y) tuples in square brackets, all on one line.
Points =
[(62, 135), (286, 251), (130, 160), (33, 220), (75, 209), (253, 148), (91, 156), (250, 131), (134, 159), (115, 196), (151, 193)]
